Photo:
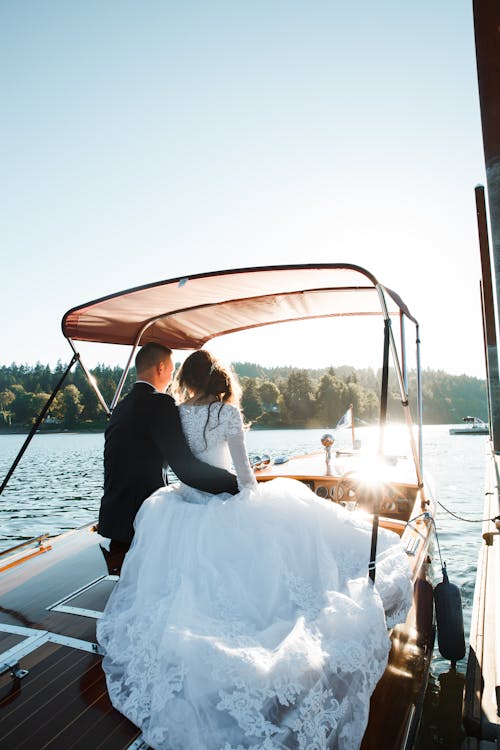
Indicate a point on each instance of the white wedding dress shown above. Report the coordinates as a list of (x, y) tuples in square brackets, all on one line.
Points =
[(249, 622)]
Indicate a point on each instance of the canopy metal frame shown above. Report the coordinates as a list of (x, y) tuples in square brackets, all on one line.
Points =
[(172, 316), (265, 305), (104, 321)]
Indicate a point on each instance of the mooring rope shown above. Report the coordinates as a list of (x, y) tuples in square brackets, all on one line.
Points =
[(426, 514), (469, 520)]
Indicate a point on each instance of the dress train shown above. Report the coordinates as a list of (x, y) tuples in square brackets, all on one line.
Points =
[(249, 623)]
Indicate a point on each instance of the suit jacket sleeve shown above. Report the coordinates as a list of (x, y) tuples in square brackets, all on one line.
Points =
[(171, 441)]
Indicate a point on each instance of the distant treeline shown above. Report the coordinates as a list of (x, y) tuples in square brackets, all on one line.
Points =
[(271, 396)]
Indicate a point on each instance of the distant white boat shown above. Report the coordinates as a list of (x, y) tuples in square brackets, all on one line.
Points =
[(472, 426)]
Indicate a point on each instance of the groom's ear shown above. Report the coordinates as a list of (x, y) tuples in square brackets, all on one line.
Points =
[(162, 366)]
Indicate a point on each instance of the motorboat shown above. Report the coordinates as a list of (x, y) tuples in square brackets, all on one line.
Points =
[(53, 590), (472, 426)]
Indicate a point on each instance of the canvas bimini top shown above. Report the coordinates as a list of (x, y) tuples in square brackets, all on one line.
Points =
[(186, 312)]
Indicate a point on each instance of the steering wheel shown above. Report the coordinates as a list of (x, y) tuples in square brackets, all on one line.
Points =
[(346, 489), (352, 489)]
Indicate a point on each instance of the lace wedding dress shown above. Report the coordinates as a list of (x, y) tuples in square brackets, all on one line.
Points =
[(248, 622)]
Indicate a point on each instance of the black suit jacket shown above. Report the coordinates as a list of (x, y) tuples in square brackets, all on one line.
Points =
[(144, 436)]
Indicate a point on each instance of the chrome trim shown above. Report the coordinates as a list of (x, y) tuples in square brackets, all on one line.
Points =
[(138, 744), (18, 630), (69, 610), (37, 638), (412, 545), (408, 726), (416, 526), (38, 540), (10, 658), (66, 640)]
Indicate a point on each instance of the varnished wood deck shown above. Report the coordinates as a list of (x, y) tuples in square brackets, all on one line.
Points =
[(48, 613), (62, 701)]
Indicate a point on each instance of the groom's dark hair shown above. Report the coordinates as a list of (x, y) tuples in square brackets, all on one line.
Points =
[(150, 355)]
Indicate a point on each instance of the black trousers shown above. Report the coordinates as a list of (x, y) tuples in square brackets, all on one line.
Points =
[(114, 556)]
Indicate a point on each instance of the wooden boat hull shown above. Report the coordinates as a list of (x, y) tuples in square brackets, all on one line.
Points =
[(53, 592)]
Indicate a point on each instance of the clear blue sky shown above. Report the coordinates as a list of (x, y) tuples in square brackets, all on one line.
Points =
[(150, 139)]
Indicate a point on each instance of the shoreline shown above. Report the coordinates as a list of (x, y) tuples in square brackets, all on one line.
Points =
[(95, 430)]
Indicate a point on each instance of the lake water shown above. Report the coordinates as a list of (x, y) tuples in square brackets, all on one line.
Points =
[(57, 486)]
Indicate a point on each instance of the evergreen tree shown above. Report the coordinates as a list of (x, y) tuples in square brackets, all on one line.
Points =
[(268, 394), (298, 402), (251, 404), (305, 397), (72, 403), (330, 400)]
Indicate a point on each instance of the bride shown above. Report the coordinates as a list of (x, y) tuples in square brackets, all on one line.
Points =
[(248, 622)]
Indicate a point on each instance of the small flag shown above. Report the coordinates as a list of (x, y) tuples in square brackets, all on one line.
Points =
[(345, 420)]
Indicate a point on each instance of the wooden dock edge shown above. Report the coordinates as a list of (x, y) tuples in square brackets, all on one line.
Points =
[(480, 711)]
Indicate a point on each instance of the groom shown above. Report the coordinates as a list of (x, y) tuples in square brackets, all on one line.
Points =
[(144, 436)]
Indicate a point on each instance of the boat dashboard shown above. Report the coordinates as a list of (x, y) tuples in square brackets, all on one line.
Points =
[(353, 483)]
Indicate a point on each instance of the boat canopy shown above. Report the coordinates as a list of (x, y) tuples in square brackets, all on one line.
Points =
[(186, 312)]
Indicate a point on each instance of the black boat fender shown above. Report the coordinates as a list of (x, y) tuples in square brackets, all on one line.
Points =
[(449, 619)]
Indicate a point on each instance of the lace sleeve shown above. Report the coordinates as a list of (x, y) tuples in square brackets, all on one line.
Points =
[(235, 436)]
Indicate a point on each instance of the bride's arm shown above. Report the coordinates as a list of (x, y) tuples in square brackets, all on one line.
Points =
[(165, 425), (235, 435)]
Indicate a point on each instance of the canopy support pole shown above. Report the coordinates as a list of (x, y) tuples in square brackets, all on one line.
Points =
[(38, 421), (402, 390), (382, 423), (91, 381), (125, 372), (384, 388), (420, 411)]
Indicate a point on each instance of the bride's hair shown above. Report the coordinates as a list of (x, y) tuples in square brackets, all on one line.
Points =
[(204, 375)]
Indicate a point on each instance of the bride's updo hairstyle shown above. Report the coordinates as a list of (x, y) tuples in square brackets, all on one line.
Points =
[(203, 375)]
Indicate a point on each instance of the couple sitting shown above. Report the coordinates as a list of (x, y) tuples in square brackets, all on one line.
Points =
[(145, 436), (244, 618)]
